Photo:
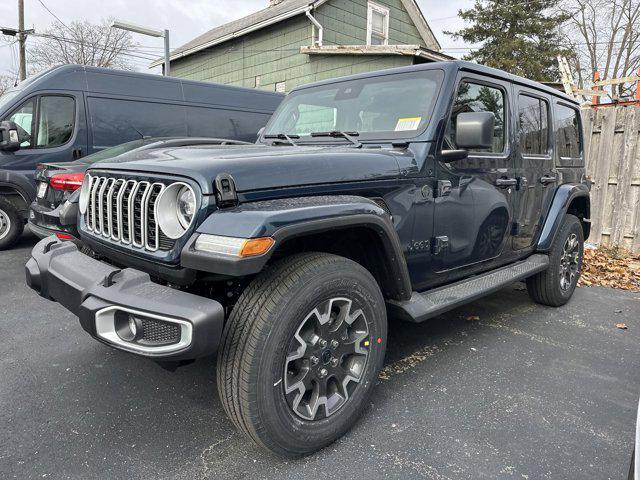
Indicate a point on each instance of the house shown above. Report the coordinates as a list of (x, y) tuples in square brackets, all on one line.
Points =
[(293, 42)]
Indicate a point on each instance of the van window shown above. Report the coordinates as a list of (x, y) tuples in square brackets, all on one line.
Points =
[(533, 114), (567, 130), (55, 120), (473, 97), (219, 123), (23, 117)]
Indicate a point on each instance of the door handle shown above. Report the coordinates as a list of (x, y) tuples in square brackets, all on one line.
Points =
[(506, 182), (77, 153), (547, 179)]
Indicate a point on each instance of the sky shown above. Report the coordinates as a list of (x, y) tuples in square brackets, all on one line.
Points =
[(185, 19)]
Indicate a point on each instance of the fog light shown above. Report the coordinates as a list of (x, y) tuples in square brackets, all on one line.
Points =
[(127, 326), (132, 326)]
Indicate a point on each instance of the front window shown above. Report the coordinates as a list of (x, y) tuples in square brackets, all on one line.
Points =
[(377, 24), (44, 122), (387, 106)]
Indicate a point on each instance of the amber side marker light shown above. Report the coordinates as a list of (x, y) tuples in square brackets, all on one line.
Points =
[(256, 246)]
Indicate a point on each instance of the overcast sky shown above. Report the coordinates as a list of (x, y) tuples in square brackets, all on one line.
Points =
[(185, 19)]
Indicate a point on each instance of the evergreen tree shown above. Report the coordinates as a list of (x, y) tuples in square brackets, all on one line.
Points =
[(519, 36)]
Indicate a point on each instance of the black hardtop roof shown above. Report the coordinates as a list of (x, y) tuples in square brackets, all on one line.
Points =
[(448, 66), (146, 85)]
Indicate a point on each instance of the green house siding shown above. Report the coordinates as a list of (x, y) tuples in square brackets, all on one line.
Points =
[(345, 23), (273, 53)]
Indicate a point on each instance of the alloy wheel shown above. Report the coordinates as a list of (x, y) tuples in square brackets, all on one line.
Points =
[(569, 262), (326, 359)]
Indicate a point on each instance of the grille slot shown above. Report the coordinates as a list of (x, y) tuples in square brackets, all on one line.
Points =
[(124, 211)]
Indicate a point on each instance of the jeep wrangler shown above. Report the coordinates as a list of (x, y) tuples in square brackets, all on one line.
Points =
[(397, 194)]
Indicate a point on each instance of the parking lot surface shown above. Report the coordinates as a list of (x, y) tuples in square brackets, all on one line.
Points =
[(501, 388)]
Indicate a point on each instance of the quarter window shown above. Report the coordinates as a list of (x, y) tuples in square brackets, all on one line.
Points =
[(24, 117), (473, 97), (533, 114), (567, 131), (377, 24)]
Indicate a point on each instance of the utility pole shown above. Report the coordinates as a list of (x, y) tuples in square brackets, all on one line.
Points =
[(22, 40)]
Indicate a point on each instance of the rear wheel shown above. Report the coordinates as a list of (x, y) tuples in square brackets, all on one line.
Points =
[(555, 286), (11, 224), (301, 352)]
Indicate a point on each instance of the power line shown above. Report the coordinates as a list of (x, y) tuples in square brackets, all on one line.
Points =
[(53, 14)]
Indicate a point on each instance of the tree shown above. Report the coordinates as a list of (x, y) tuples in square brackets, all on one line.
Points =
[(604, 36), (82, 43), (521, 37), (6, 82)]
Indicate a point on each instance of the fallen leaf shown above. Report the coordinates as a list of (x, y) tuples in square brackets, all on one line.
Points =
[(621, 326), (472, 318)]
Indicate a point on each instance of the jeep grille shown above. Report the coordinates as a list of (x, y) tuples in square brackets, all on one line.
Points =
[(122, 210)]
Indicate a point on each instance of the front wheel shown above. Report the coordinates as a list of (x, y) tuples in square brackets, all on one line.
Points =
[(555, 286), (11, 224), (301, 352)]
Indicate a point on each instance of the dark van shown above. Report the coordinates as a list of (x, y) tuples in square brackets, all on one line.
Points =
[(71, 111)]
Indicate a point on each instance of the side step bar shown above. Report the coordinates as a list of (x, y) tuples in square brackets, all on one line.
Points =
[(422, 306)]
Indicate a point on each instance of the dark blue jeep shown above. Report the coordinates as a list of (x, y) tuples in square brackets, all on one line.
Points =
[(401, 193)]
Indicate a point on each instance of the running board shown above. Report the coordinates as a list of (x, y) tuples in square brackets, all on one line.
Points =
[(422, 306)]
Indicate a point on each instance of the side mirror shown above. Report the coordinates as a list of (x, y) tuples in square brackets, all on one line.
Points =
[(474, 130), (9, 139)]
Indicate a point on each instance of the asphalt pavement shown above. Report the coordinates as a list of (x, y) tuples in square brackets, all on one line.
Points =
[(501, 388)]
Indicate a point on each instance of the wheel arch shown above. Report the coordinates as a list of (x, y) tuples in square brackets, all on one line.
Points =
[(569, 198), (351, 226)]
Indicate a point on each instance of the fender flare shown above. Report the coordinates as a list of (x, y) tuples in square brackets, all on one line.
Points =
[(20, 184), (285, 219), (565, 194)]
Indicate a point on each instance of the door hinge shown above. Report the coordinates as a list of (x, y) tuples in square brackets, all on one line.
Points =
[(443, 188), (225, 190), (439, 245)]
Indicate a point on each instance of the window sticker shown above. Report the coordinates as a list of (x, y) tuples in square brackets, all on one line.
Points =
[(405, 124)]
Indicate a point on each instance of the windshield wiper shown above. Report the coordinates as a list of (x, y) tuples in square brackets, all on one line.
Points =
[(337, 133), (284, 136)]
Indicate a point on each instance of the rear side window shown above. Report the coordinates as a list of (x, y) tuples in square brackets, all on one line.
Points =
[(55, 121), (567, 131), (533, 115), (473, 97)]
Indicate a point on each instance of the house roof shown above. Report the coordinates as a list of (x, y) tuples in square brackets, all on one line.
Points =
[(277, 13)]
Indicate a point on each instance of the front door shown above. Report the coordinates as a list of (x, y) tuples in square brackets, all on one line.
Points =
[(475, 196)]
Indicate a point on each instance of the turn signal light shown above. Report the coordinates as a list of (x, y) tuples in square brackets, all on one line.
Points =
[(67, 181), (256, 246)]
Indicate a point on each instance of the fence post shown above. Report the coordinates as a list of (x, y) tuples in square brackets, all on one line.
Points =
[(595, 100)]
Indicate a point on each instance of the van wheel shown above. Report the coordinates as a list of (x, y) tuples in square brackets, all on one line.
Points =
[(301, 352), (555, 285), (11, 224)]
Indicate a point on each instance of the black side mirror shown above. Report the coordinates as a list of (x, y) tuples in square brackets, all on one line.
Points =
[(9, 138), (474, 130)]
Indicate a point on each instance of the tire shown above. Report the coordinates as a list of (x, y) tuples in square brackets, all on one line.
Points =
[(11, 224), (548, 287), (255, 364)]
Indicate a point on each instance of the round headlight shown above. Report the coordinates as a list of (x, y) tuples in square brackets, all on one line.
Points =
[(186, 206), (85, 191), (175, 209)]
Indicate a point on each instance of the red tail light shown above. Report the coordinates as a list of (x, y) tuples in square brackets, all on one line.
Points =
[(67, 181), (64, 236)]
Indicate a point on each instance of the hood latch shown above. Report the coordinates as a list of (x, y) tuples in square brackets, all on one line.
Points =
[(225, 190)]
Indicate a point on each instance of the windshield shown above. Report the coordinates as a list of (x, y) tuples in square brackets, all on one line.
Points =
[(387, 106), (117, 150)]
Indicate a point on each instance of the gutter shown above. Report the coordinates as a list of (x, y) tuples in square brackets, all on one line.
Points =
[(317, 24)]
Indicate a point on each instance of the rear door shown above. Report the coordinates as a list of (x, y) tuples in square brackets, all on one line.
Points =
[(475, 196), (534, 165)]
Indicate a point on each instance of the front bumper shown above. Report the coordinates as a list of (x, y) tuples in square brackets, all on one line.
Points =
[(101, 294)]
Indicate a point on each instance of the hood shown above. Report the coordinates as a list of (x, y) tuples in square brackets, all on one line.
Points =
[(258, 167)]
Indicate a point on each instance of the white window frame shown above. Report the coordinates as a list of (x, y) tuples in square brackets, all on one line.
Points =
[(371, 7)]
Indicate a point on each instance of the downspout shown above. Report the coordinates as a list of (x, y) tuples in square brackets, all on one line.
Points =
[(318, 42)]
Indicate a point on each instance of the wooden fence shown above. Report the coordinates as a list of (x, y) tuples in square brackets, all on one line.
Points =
[(612, 148)]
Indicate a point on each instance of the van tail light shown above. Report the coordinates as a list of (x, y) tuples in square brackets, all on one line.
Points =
[(67, 181)]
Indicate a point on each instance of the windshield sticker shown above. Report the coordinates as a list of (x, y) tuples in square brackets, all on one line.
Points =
[(408, 124)]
